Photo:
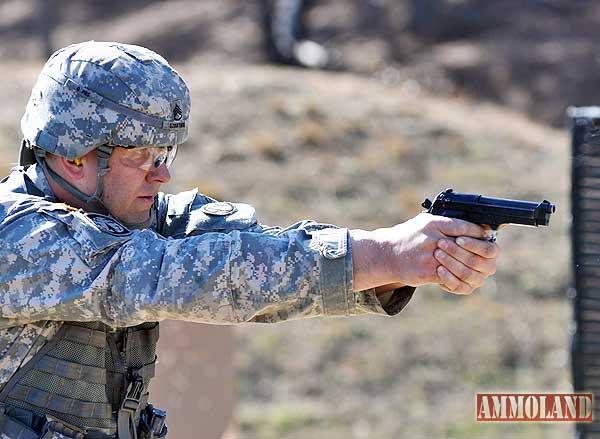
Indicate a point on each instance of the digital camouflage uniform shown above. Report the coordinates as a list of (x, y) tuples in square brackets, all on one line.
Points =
[(80, 293)]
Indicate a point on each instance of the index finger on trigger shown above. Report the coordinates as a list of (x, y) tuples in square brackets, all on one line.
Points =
[(482, 248)]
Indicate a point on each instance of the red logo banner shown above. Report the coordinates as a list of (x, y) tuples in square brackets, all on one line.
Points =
[(534, 407)]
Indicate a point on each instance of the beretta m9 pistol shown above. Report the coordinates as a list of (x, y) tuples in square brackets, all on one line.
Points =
[(493, 212)]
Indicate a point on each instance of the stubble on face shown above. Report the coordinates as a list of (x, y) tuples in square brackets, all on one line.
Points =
[(130, 192)]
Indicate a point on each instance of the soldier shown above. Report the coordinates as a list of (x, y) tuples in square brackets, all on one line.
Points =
[(93, 255)]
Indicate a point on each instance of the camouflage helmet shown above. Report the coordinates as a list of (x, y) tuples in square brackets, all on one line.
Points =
[(105, 93)]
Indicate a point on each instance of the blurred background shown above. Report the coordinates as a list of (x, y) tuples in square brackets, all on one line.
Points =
[(398, 100)]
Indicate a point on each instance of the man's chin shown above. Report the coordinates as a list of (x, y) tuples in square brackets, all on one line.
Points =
[(135, 220)]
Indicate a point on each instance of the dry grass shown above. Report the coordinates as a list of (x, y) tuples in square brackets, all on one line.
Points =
[(268, 145), (312, 134)]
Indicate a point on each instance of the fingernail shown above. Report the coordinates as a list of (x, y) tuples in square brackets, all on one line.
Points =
[(460, 241), (442, 243), (439, 254)]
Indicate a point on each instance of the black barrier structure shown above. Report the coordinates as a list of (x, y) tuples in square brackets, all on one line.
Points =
[(585, 206)]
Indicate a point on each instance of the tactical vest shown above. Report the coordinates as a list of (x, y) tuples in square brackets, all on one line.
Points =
[(90, 377)]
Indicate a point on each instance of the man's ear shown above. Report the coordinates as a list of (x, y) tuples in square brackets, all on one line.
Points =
[(72, 168), (80, 168)]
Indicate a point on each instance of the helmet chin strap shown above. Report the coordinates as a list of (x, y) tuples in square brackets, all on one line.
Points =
[(92, 202)]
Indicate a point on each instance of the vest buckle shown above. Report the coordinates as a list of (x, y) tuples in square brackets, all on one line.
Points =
[(130, 407), (131, 402)]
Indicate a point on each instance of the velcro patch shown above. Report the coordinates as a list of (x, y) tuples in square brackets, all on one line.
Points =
[(219, 208), (108, 225)]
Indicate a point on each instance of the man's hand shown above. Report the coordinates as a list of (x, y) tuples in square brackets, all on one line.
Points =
[(427, 249)]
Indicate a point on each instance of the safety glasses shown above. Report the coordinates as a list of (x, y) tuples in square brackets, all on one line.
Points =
[(147, 157)]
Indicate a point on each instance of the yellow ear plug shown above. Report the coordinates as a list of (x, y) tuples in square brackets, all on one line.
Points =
[(77, 161)]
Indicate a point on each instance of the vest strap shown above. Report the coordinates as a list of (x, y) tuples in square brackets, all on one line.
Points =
[(87, 336), (13, 428), (74, 371), (144, 337), (61, 404)]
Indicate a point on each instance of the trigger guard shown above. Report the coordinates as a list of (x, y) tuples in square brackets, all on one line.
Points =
[(491, 235)]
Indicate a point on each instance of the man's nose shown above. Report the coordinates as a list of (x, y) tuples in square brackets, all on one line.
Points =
[(160, 174)]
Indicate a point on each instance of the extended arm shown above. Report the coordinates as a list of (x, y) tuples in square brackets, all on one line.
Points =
[(190, 213), (57, 265)]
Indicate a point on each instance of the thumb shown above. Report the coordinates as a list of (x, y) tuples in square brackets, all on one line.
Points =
[(457, 227)]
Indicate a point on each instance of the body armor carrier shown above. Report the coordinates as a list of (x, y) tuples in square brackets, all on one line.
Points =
[(91, 380)]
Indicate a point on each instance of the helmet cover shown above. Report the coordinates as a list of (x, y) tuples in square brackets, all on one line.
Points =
[(95, 93)]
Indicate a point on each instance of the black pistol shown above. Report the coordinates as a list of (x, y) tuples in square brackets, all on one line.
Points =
[(489, 211)]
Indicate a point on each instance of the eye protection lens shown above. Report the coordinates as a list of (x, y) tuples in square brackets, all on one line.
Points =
[(148, 157)]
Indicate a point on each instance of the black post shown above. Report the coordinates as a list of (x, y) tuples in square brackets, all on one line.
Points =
[(585, 234), (45, 19)]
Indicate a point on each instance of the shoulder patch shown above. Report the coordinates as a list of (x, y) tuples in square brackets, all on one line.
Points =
[(220, 208), (108, 225)]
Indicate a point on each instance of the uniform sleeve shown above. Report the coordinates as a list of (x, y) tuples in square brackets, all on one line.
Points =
[(366, 301), (184, 215), (62, 265)]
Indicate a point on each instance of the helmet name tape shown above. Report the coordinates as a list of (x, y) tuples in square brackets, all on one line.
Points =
[(174, 125)]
